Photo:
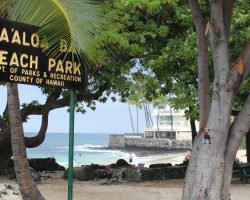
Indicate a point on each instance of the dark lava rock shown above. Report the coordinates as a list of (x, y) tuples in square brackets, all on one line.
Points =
[(133, 175), (160, 165), (174, 172), (118, 172), (100, 174), (83, 173), (8, 186), (98, 167), (122, 163), (45, 164), (113, 165)]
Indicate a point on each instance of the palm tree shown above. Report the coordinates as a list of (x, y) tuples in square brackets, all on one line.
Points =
[(27, 187), (131, 118), (75, 21), (159, 102)]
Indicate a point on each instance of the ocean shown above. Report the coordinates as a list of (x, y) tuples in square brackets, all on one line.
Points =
[(89, 148)]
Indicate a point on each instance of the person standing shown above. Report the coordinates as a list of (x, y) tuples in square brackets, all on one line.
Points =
[(130, 158)]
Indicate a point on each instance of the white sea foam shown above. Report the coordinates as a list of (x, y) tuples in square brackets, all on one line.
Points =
[(82, 146), (86, 148)]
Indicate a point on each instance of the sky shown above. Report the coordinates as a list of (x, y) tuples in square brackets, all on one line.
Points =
[(107, 118)]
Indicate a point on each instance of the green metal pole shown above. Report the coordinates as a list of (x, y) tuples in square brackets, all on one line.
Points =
[(71, 144)]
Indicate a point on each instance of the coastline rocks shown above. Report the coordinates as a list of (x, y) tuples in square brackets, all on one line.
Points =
[(160, 165), (159, 173), (45, 164), (84, 173), (93, 171), (122, 163), (36, 165), (116, 175), (171, 172), (133, 175)]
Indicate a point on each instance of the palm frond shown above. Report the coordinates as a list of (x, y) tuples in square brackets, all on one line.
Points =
[(76, 21)]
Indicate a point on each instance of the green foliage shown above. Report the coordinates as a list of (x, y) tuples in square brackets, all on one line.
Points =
[(170, 55), (77, 21), (155, 49), (243, 142), (160, 37), (33, 104), (238, 38), (240, 28)]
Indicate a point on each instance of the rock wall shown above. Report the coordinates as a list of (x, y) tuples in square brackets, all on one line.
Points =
[(116, 141), (116, 173), (151, 143), (183, 135), (120, 141)]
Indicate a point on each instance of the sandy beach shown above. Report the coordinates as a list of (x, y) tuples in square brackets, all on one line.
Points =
[(55, 188), (174, 158)]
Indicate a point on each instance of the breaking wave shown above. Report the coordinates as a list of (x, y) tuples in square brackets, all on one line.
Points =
[(84, 148)]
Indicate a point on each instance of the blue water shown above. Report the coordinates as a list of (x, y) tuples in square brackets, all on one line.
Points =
[(89, 148)]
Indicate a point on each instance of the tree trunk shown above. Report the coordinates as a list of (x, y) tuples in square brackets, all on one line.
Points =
[(193, 129), (27, 186), (248, 146), (30, 142), (171, 119), (131, 119), (237, 131), (137, 120), (145, 115), (210, 157), (204, 179), (157, 121), (149, 116)]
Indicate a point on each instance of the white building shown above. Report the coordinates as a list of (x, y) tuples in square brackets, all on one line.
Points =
[(171, 124)]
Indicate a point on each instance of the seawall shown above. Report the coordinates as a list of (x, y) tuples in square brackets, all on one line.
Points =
[(123, 142)]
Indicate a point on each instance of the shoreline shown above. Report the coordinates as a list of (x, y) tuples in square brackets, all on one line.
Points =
[(145, 157), (148, 157), (157, 156)]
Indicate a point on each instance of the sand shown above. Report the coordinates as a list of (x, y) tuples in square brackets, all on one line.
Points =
[(55, 188), (154, 190), (176, 158)]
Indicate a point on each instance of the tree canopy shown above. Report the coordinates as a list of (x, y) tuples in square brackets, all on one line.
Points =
[(157, 37)]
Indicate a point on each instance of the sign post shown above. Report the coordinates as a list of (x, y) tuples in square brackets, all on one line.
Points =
[(23, 59), (71, 144)]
